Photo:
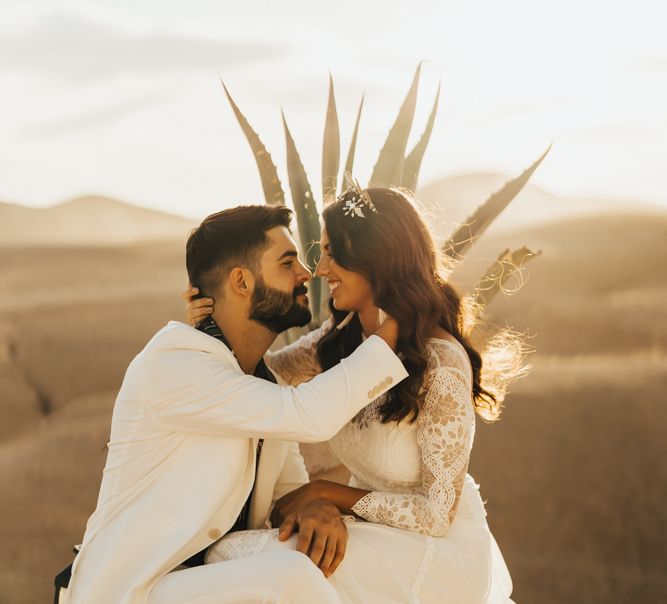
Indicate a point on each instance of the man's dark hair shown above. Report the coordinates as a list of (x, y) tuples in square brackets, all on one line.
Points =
[(234, 237)]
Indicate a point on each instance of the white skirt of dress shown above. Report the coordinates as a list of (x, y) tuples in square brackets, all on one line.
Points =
[(387, 565)]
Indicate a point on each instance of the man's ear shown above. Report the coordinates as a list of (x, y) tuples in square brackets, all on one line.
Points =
[(241, 280)]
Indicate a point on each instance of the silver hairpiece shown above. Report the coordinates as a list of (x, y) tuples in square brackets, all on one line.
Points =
[(360, 200)]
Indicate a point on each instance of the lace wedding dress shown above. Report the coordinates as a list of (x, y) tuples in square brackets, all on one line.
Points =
[(425, 539)]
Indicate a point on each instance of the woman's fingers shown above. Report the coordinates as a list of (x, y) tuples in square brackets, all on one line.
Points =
[(196, 309), (200, 303), (201, 313), (195, 316), (195, 319), (188, 292)]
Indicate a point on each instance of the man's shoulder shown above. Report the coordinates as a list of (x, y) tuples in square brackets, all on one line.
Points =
[(180, 336), (174, 333)]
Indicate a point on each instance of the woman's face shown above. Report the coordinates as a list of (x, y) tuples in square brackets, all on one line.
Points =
[(349, 290)]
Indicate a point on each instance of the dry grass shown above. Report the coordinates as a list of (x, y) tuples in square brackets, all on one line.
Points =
[(572, 475), (49, 479), (75, 318)]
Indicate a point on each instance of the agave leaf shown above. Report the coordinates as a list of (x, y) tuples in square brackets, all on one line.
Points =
[(307, 217), (413, 161), (389, 168), (273, 190), (497, 275), (476, 224), (330, 149), (353, 144)]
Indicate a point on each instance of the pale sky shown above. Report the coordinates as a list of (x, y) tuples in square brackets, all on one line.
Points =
[(122, 97)]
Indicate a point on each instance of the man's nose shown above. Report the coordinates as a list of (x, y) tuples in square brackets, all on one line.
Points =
[(304, 273)]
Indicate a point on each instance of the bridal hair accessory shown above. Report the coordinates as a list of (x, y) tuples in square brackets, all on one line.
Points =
[(359, 201), (345, 321)]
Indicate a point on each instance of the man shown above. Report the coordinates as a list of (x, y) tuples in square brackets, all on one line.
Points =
[(188, 421)]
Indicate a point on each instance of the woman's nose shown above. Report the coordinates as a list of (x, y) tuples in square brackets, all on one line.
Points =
[(322, 268)]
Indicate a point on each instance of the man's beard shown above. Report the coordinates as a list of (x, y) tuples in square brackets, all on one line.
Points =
[(278, 310)]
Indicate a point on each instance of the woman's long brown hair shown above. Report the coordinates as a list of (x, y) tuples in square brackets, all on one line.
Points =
[(393, 249)]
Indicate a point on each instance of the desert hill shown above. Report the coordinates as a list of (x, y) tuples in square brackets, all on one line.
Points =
[(87, 221), (607, 269), (450, 201), (97, 220), (570, 472)]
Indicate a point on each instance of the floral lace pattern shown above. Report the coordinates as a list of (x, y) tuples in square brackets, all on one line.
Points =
[(369, 414), (415, 472), (416, 487), (239, 544)]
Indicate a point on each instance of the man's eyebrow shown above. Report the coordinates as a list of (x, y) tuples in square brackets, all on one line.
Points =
[(288, 254)]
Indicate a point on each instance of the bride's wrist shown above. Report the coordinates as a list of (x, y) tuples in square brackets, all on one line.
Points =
[(318, 489)]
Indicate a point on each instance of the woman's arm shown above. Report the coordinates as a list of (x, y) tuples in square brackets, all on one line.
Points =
[(445, 430), (297, 362), (342, 496)]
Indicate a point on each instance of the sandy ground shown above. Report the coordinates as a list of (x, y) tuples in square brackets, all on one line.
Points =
[(572, 473)]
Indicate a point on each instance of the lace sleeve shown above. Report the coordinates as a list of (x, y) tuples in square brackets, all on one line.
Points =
[(297, 362), (445, 431)]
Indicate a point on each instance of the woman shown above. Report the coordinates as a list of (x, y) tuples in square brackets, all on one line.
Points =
[(425, 538)]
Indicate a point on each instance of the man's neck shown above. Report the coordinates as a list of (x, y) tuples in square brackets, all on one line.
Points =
[(249, 340)]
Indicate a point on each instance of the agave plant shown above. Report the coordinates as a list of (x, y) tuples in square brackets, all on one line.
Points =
[(396, 166)]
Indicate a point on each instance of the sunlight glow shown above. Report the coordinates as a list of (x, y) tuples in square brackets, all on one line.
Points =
[(123, 99)]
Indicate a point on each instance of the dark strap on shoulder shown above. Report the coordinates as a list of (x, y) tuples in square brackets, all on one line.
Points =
[(62, 581)]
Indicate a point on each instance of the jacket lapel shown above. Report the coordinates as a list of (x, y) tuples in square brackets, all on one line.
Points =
[(270, 464)]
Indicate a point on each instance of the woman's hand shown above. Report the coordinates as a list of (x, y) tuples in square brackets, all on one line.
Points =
[(198, 309), (294, 501), (341, 495)]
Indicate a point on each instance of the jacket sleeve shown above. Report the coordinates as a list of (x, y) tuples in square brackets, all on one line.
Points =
[(192, 390), (293, 475)]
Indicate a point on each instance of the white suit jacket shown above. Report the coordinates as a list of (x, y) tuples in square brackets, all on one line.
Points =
[(181, 460)]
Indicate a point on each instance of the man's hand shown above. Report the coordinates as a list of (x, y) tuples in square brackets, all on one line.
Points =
[(322, 534)]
